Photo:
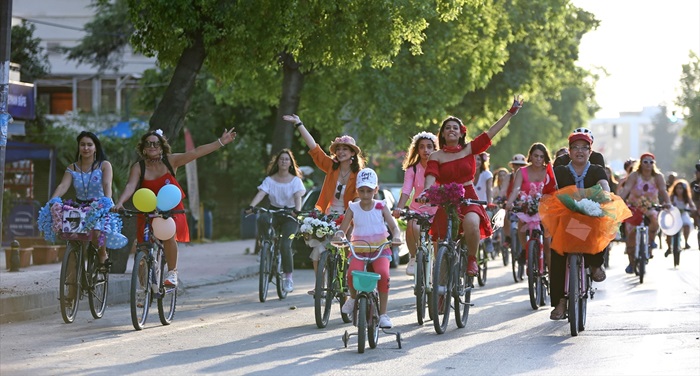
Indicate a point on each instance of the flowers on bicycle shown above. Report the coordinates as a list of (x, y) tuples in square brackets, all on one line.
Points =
[(589, 208), (93, 216), (445, 195), (318, 226)]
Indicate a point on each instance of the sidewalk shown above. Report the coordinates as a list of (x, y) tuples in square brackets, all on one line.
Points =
[(33, 291)]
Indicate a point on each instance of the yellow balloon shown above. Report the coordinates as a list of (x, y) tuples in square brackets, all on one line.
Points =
[(145, 200), (163, 229)]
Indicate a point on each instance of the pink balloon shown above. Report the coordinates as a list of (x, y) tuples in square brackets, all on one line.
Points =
[(163, 229)]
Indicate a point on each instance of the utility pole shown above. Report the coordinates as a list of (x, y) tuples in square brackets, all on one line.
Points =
[(5, 118)]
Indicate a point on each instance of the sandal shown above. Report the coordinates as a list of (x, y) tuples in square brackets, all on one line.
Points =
[(104, 266), (598, 274), (559, 312)]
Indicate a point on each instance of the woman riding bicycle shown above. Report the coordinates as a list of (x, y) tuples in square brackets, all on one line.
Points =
[(422, 145), (284, 187), (642, 189), (680, 198), (156, 169), (369, 217), (91, 177), (454, 163)]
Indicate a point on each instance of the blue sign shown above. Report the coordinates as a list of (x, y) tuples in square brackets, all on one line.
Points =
[(21, 222), (20, 102)]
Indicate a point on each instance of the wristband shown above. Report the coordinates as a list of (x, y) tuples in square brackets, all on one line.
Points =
[(221, 143), (299, 124)]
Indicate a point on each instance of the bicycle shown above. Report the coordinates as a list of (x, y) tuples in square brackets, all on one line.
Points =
[(425, 259), (515, 250), (80, 276), (537, 282), (148, 275), (641, 247), (366, 310), (271, 256), (676, 242), (577, 291), (482, 255), (450, 279), (331, 284)]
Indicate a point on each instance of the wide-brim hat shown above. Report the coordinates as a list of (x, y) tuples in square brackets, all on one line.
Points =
[(518, 159), (344, 140), (580, 137), (670, 221)]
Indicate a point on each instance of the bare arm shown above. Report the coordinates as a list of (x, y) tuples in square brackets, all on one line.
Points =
[(181, 159), (393, 226), (489, 190), (661, 182), (107, 178), (62, 187), (294, 119), (297, 200), (628, 185), (130, 188), (498, 125), (347, 219), (517, 182), (258, 197), (604, 184)]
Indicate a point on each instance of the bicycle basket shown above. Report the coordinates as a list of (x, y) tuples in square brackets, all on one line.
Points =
[(364, 281), (73, 225)]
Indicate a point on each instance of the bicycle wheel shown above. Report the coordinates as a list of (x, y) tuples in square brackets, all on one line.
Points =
[(583, 300), (516, 265), (167, 299), (504, 251), (462, 293), (420, 284), (340, 286), (277, 271), (69, 281), (264, 274), (373, 321), (140, 295), (440, 299), (98, 284), (676, 241), (642, 260), (573, 294), (324, 294), (482, 262), (532, 273)]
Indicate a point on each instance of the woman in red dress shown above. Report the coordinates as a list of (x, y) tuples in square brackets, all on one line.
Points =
[(454, 163), (159, 165)]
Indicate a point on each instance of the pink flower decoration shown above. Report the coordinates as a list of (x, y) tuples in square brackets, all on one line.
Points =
[(379, 205)]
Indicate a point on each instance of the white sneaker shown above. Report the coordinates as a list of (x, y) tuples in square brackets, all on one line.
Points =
[(171, 279), (288, 285), (411, 266), (348, 307), (384, 321)]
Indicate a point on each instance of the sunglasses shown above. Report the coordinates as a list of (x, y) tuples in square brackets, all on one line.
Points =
[(580, 148), (338, 190), (648, 161), (152, 144)]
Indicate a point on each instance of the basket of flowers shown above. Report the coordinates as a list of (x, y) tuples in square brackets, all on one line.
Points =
[(449, 197), (70, 220), (316, 229)]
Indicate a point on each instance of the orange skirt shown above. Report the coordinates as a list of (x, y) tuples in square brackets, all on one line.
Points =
[(574, 232)]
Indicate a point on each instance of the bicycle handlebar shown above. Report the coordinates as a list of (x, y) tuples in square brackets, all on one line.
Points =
[(156, 213), (343, 242)]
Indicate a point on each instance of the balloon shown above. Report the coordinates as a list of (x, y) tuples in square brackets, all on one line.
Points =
[(168, 197), (163, 229), (116, 240), (145, 200)]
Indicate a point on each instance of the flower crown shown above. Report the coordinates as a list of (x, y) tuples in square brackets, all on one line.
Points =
[(159, 132), (425, 135)]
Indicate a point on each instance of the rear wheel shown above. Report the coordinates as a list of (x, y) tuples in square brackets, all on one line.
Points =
[(420, 288), (642, 260), (676, 249), (441, 290), (583, 303), (463, 293), (69, 282), (361, 323), (323, 296), (277, 271), (516, 264), (166, 302), (574, 293), (97, 285), (264, 275), (140, 290), (482, 262), (533, 279)]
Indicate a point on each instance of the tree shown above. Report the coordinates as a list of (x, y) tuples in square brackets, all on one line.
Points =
[(28, 53), (663, 140), (689, 101)]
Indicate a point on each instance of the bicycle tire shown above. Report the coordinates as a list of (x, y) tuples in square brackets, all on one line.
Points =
[(462, 293), (516, 266), (70, 281), (573, 294), (140, 294), (505, 253), (441, 289), (482, 263), (642, 260), (277, 267), (533, 247), (264, 272), (97, 285), (324, 294), (373, 321), (676, 249), (420, 286), (583, 301), (361, 323), (167, 299)]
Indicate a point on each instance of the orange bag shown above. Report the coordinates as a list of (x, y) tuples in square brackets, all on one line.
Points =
[(574, 232)]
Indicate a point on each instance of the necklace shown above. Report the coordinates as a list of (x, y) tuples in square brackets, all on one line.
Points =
[(452, 149), (86, 187), (344, 176)]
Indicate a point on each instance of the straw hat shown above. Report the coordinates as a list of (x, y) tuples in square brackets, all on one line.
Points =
[(344, 140), (518, 159)]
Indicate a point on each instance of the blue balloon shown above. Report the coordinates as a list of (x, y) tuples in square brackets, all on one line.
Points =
[(168, 197), (115, 240)]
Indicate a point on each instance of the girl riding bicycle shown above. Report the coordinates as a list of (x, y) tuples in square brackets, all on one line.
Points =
[(368, 217)]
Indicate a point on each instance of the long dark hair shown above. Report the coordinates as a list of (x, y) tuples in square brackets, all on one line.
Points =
[(686, 191), (99, 152), (541, 147), (462, 138), (272, 168)]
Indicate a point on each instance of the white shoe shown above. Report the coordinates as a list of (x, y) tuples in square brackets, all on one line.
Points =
[(384, 321), (411, 266), (171, 279), (348, 307), (288, 285)]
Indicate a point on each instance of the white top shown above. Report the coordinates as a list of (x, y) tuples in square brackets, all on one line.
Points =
[(282, 194), (369, 225), (480, 185)]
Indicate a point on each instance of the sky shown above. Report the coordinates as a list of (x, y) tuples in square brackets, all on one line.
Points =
[(642, 44)]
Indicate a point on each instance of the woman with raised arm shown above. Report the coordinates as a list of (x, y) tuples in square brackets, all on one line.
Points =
[(156, 169), (454, 163)]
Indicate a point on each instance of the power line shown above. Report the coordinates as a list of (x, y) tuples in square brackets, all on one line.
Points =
[(40, 22)]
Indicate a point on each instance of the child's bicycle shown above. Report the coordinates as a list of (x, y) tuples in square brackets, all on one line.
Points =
[(366, 311), (148, 274)]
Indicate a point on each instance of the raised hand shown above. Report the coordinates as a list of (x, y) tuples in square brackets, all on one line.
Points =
[(517, 104)]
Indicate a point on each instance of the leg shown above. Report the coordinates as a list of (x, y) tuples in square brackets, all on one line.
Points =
[(547, 252), (287, 228), (522, 228), (595, 264), (471, 236), (631, 242), (381, 267), (557, 274), (412, 237), (170, 246)]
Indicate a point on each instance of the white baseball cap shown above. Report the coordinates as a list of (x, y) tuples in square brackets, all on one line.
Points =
[(366, 178)]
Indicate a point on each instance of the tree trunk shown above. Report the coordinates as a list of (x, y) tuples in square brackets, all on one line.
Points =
[(170, 113), (292, 83)]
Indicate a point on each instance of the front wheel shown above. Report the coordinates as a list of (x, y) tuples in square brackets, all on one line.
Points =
[(264, 274), (97, 285), (642, 260), (69, 282), (583, 302), (482, 262), (167, 300), (462, 293), (574, 293), (420, 288), (532, 274), (323, 295), (140, 295), (362, 313), (676, 249), (277, 271), (440, 299), (373, 321)]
